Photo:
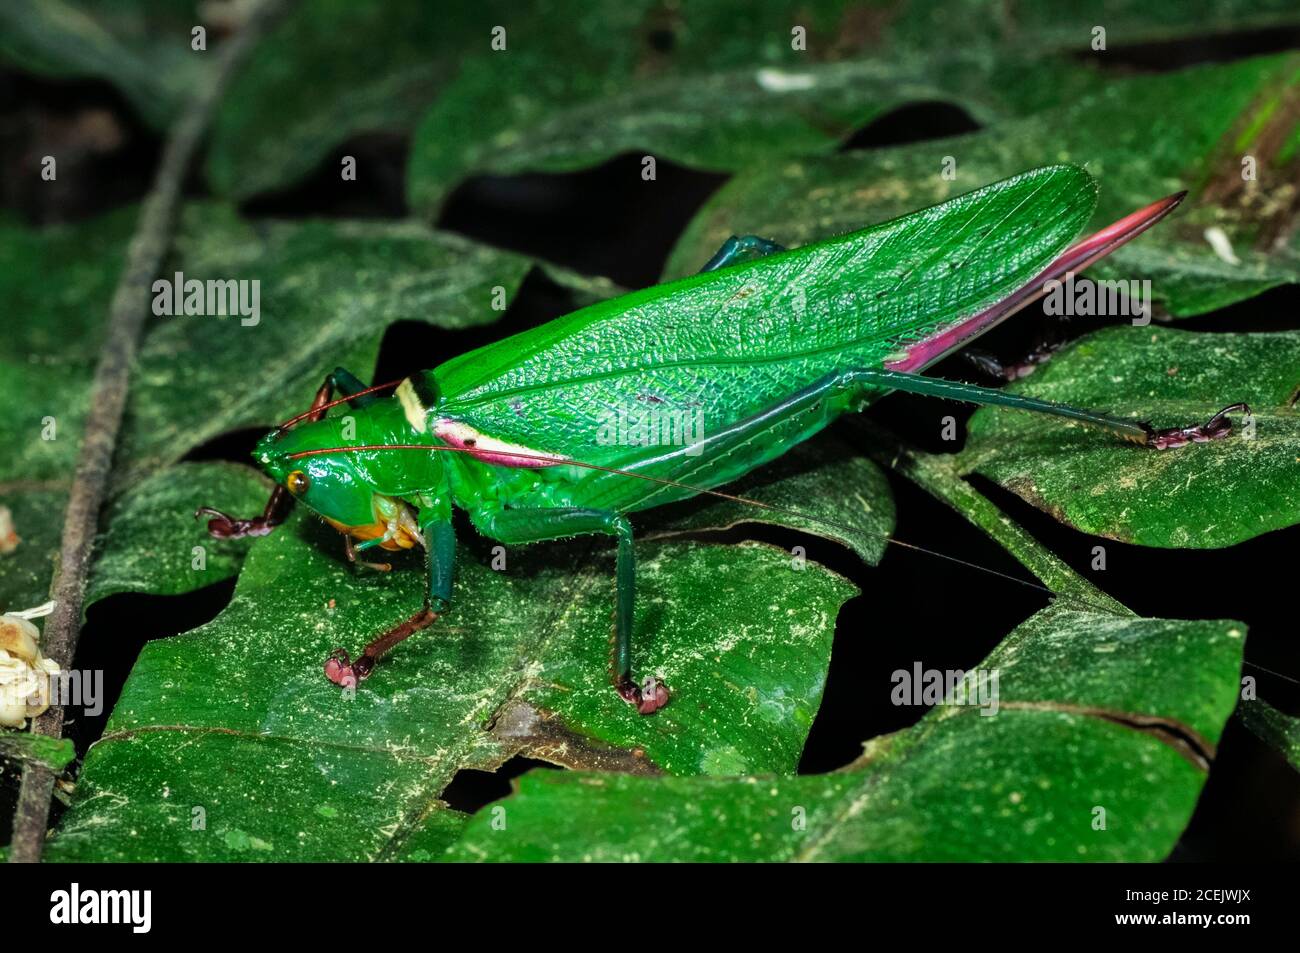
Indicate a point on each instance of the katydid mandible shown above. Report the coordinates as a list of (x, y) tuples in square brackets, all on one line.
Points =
[(764, 348)]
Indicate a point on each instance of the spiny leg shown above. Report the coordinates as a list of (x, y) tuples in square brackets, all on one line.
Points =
[(536, 524), (280, 504), (737, 249), (1136, 431), (440, 540)]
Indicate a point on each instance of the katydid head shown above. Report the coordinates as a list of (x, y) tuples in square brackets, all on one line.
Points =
[(331, 484)]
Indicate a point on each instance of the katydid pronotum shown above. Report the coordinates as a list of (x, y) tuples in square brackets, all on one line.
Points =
[(764, 347)]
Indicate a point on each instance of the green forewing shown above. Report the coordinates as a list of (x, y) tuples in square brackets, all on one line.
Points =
[(720, 347)]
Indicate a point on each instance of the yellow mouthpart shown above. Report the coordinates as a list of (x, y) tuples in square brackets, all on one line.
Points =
[(394, 523)]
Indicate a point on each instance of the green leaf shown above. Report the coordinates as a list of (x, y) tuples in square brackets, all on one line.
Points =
[(154, 544), (328, 291), (685, 84), (35, 474), (1085, 759), (237, 717), (1206, 495), (1276, 729), (690, 88), (142, 47), (60, 281), (821, 487), (328, 71), (54, 753), (1142, 137)]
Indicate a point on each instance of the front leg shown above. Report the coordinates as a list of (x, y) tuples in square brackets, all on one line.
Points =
[(440, 541), (278, 507), (536, 524), (276, 512)]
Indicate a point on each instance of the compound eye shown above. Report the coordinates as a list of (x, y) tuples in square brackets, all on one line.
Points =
[(297, 482)]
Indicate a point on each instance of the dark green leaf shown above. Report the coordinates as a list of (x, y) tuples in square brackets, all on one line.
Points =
[(154, 544), (1276, 729), (140, 46), (329, 290), (1203, 495), (237, 717), (1143, 137), (1083, 760), (698, 90), (329, 71), (57, 282), (54, 753)]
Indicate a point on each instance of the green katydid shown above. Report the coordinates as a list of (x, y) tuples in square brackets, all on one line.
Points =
[(763, 348)]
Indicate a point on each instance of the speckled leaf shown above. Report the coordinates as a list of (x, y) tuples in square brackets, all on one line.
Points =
[(1092, 713), (56, 283), (153, 543), (1201, 496), (238, 718), (822, 479), (328, 291), (330, 70), (140, 46), (35, 473), (1142, 137), (1276, 729), (684, 83), (721, 120)]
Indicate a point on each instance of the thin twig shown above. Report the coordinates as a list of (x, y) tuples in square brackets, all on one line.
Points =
[(130, 305)]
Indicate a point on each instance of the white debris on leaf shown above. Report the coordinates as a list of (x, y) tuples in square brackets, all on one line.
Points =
[(779, 81), (8, 534), (24, 672), (1218, 240)]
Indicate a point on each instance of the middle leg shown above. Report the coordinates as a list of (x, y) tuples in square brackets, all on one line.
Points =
[(536, 524)]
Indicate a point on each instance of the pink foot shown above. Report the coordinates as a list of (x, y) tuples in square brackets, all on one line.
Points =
[(340, 669), (648, 699), (1216, 428)]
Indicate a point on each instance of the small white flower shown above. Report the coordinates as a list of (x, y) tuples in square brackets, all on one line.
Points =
[(24, 672)]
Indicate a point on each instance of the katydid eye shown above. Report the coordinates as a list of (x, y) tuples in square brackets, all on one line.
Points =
[(297, 482)]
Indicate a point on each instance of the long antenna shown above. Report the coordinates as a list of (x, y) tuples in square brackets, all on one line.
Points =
[(545, 460), (334, 403)]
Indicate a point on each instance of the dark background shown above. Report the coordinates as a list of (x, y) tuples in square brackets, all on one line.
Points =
[(607, 221)]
